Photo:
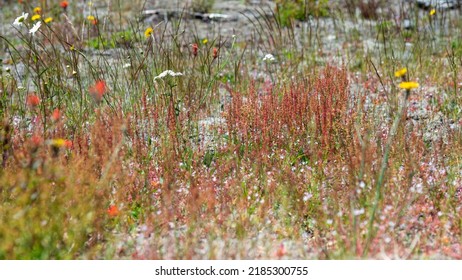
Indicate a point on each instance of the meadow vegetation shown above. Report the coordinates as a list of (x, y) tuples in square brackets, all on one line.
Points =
[(331, 134)]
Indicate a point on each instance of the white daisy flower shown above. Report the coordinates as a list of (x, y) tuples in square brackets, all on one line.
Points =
[(269, 57), (35, 27), (19, 20), (169, 73)]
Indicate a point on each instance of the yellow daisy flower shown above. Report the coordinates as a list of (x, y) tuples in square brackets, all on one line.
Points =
[(432, 12), (37, 10), (205, 41), (401, 72), (408, 85), (58, 143), (91, 18), (148, 32), (48, 20), (36, 17)]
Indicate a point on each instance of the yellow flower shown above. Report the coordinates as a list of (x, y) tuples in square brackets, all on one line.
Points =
[(48, 20), (93, 20), (408, 85), (35, 17), (37, 10), (205, 41), (432, 12), (148, 32), (401, 72), (58, 143)]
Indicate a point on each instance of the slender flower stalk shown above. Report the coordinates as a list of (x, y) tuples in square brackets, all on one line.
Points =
[(384, 165)]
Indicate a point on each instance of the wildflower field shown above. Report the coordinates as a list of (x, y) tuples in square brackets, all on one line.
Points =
[(230, 130)]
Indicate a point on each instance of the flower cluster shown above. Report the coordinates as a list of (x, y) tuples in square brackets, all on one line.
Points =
[(168, 73), (405, 84), (269, 57)]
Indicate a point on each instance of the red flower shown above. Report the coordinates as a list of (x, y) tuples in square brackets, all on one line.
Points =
[(215, 53), (113, 210), (36, 140), (33, 100), (64, 4), (98, 90), (281, 251), (56, 115), (68, 144), (195, 49)]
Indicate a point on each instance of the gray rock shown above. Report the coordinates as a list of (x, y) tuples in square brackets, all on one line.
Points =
[(436, 129), (407, 24), (438, 4)]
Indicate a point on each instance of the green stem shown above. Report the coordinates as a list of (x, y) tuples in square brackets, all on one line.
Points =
[(383, 169)]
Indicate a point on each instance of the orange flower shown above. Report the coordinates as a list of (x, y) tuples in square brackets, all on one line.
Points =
[(56, 115), (33, 100), (155, 184), (36, 140), (281, 251), (113, 210), (68, 144), (215, 53), (195, 49), (64, 4), (98, 90)]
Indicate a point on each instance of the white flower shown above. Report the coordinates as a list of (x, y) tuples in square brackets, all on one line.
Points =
[(358, 212), (35, 27), (269, 57), (19, 20), (307, 196), (168, 72)]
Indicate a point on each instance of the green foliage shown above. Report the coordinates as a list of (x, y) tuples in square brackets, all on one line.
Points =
[(289, 10), (456, 48), (116, 40), (46, 219), (202, 6)]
